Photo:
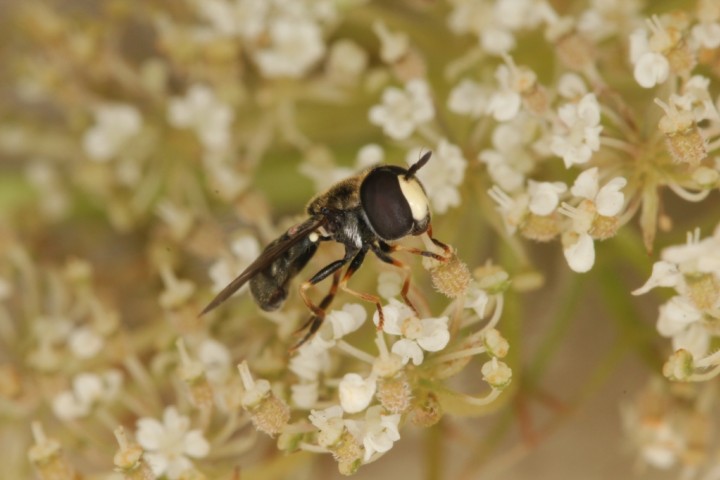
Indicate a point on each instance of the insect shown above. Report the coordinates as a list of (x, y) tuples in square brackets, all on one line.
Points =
[(365, 212)]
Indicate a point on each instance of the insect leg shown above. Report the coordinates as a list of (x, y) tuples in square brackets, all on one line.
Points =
[(315, 321), (445, 247), (387, 248), (354, 265), (378, 251), (317, 278)]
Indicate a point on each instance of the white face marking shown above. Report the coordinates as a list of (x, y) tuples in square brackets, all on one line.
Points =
[(314, 237), (415, 197)]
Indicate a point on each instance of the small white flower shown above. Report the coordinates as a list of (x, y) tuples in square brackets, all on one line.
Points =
[(469, 98), (579, 251), (651, 66), (504, 104), (442, 175), (495, 343), (429, 334), (605, 18), (512, 209), (696, 99), (664, 274), (85, 342), (177, 291), (402, 111), (577, 134), (380, 433), (330, 423), (356, 392), (681, 321), (545, 196), (168, 444), (296, 44), (246, 18), (305, 395), (393, 45), (609, 200), (88, 389), (496, 373), (180, 220), (369, 155), (215, 358), (510, 160), (707, 35), (115, 125), (245, 249), (389, 285), (477, 299), (346, 61), (201, 111), (696, 256), (571, 86), (311, 360), (345, 321), (495, 23), (651, 69)]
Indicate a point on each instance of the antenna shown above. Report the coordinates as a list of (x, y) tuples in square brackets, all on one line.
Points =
[(418, 165)]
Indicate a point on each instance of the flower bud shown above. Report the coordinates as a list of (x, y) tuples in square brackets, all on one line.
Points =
[(129, 459), (680, 366), (495, 343), (47, 457), (496, 373), (427, 410)]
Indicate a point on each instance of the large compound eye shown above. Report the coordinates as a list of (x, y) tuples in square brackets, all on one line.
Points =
[(385, 204)]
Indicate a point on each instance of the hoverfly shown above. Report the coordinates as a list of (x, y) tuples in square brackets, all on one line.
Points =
[(364, 213)]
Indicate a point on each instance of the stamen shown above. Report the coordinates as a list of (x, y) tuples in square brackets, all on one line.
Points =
[(500, 197)]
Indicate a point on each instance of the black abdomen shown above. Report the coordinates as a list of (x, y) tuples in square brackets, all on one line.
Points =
[(269, 287)]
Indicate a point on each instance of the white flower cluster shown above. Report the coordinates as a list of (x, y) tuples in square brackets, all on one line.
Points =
[(170, 444), (495, 23), (689, 317), (669, 425), (363, 421), (285, 39), (591, 212), (115, 126), (88, 391)]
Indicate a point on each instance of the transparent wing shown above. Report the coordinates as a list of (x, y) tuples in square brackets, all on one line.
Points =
[(269, 255)]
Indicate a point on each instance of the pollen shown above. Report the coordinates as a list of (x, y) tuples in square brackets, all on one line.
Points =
[(451, 278), (348, 453), (704, 290), (687, 146), (682, 135), (394, 394), (604, 227), (271, 415), (541, 228), (681, 58)]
